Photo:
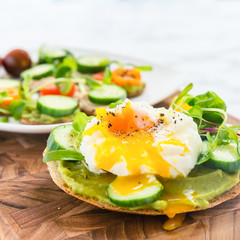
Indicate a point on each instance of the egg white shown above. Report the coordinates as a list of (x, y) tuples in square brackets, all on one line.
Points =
[(176, 125)]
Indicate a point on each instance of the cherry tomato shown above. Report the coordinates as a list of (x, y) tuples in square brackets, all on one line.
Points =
[(12, 94), (52, 89), (99, 76), (16, 61), (126, 77)]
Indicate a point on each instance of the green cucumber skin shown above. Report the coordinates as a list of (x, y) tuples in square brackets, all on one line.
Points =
[(53, 143), (47, 74), (47, 58), (223, 162), (64, 155), (39, 76), (55, 112), (90, 69), (103, 99), (134, 202), (228, 167), (84, 68)]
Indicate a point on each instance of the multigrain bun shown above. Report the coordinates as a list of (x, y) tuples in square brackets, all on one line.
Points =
[(52, 167)]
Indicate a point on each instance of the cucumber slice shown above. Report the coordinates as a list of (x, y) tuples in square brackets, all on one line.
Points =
[(143, 196), (63, 155), (49, 56), (8, 83), (39, 71), (92, 64), (106, 94), (53, 55), (225, 157), (62, 138), (56, 106)]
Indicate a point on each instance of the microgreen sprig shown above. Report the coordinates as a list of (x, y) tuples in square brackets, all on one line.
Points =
[(209, 112)]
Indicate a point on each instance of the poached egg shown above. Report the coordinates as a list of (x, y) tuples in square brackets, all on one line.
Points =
[(135, 139)]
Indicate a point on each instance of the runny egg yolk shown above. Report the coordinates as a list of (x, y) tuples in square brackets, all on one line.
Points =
[(124, 122), (178, 204), (125, 142), (174, 222), (131, 184)]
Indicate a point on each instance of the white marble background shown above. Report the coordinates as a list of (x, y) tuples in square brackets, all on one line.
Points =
[(201, 38)]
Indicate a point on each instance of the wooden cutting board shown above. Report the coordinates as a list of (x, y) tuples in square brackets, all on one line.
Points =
[(33, 207)]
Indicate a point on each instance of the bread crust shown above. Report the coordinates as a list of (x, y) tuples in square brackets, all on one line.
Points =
[(52, 167)]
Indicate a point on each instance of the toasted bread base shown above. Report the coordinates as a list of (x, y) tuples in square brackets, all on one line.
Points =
[(52, 167)]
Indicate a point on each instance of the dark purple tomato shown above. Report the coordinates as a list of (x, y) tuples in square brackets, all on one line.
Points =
[(16, 61)]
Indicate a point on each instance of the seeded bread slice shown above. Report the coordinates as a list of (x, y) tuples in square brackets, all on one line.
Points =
[(52, 167)]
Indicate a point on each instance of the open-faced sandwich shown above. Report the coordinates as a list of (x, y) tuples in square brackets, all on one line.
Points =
[(90, 81), (138, 159)]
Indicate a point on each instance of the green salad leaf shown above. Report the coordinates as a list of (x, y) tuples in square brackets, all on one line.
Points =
[(92, 83), (80, 122), (114, 104), (17, 107), (139, 68), (65, 87), (107, 76), (65, 68), (143, 68), (25, 90), (208, 100), (63, 71), (184, 92), (234, 136), (208, 111)]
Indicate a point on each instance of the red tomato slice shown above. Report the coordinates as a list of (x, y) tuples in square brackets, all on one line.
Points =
[(52, 89), (99, 76)]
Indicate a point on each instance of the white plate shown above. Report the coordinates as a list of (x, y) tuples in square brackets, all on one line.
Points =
[(160, 82)]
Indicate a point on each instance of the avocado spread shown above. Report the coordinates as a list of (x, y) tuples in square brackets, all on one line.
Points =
[(37, 117), (201, 186)]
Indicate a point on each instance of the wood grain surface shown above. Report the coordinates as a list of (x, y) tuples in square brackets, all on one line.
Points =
[(33, 207)]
